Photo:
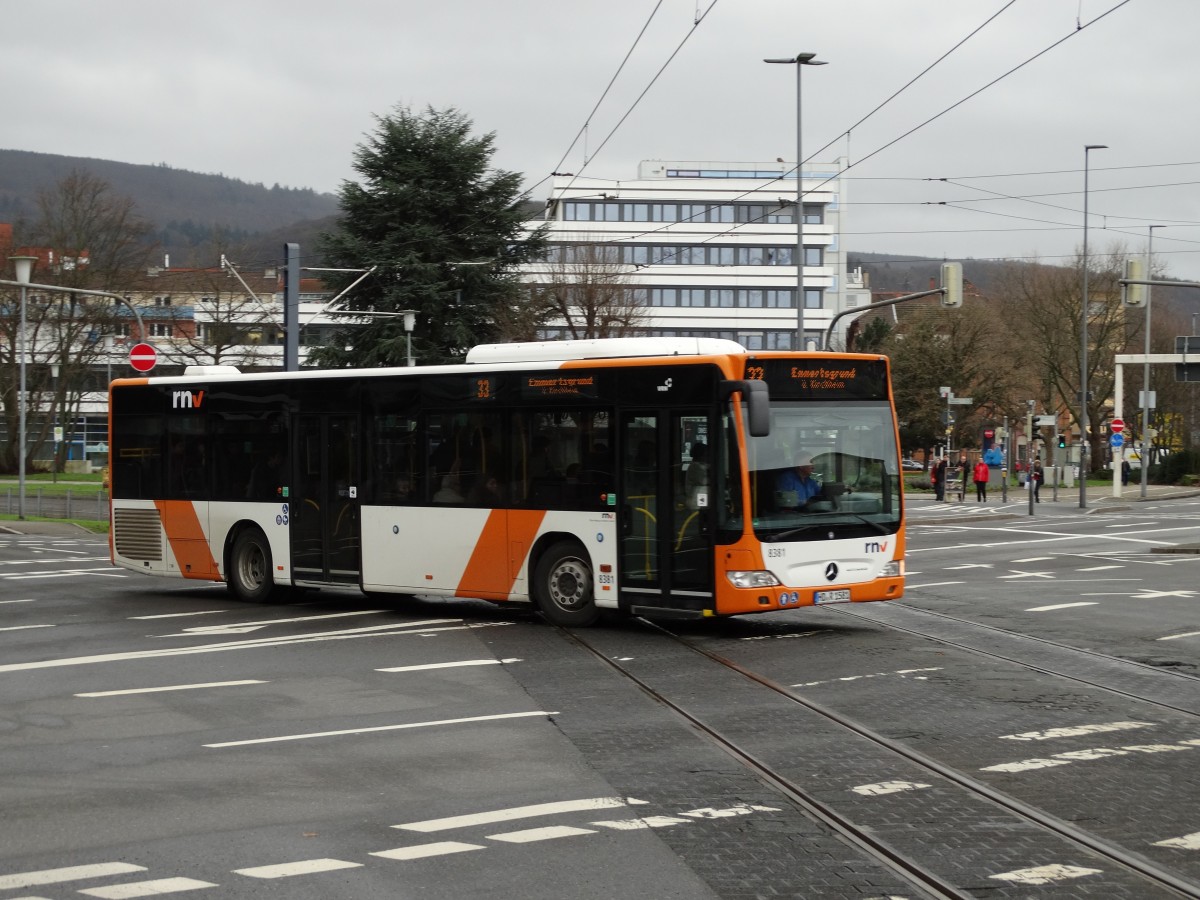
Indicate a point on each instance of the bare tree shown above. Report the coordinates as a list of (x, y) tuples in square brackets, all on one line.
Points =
[(955, 348), (586, 289), (1044, 304), (86, 238)]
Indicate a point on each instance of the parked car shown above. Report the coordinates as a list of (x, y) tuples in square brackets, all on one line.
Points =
[(911, 465)]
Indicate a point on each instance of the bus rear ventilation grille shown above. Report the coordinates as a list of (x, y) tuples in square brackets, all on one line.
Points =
[(137, 534)]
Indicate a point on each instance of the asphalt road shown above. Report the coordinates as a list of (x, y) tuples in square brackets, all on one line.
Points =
[(157, 737)]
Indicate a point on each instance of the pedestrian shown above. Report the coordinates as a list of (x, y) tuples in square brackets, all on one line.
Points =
[(940, 468), (1126, 469), (962, 467), (1036, 475), (982, 474)]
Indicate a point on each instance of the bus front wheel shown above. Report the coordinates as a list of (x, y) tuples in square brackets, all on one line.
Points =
[(563, 586), (250, 576)]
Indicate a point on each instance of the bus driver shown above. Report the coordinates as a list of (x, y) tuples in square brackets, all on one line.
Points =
[(796, 486)]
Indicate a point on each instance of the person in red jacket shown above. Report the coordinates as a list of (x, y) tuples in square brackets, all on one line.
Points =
[(982, 474)]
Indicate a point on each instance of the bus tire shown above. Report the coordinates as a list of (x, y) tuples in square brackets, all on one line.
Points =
[(251, 577), (563, 586)]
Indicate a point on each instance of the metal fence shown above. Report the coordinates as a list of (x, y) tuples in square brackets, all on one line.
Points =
[(57, 504)]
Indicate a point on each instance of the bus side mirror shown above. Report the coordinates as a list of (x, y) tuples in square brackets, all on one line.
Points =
[(758, 403)]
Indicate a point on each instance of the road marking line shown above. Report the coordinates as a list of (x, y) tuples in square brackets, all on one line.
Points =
[(29, 600), (1173, 637), (708, 812), (170, 687), (109, 572), (1074, 731), (147, 888), (24, 627), (377, 728), (642, 824), (1019, 574), (1099, 568), (1046, 874), (1089, 755), (203, 612), (521, 812), (549, 833), (1058, 606), (302, 867), (1033, 559), (425, 850), (70, 873), (889, 787), (451, 665), (844, 678), (391, 630), (1187, 842), (263, 623)]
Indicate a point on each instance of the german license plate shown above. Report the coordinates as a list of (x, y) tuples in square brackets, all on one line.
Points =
[(842, 596)]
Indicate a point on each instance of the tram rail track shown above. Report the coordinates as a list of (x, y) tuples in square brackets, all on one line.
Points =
[(1190, 683), (920, 875)]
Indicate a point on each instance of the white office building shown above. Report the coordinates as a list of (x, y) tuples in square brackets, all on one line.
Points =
[(708, 248)]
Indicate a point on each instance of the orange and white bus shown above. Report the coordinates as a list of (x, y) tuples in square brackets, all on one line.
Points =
[(644, 475)]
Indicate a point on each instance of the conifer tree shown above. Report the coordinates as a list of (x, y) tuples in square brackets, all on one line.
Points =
[(445, 233)]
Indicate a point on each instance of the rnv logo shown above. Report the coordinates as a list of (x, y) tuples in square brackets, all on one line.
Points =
[(665, 386), (186, 399)]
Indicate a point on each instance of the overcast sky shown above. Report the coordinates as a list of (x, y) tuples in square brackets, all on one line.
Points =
[(276, 92)]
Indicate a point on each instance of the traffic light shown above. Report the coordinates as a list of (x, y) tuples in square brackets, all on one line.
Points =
[(952, 291), (1062, 440), (1134, 294)]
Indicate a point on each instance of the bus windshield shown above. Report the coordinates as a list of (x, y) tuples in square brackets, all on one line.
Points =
[(825, 469)]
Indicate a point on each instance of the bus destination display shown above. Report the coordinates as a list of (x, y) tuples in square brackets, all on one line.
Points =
[(818, 378)]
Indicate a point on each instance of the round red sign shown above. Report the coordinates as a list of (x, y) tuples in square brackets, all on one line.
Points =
[(143, 357), (1116, 426)]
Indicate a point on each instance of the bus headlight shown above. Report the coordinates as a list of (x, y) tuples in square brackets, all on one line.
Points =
[(894, 569), (754, 579)]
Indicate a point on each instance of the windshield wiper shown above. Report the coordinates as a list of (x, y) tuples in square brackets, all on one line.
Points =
[(800, 529)]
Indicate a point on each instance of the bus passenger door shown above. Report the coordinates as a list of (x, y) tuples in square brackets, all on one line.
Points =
[(324, 507), (666, 559)]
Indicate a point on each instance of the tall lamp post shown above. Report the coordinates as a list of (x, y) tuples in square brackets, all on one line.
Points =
[(24, 267), (1084, 445), (410, 322), (800, 60), (1146, 365)]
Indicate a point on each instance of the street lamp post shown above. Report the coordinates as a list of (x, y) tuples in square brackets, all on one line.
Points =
[(800, 60), (24, 267), (1146, 364), (1083, 340), (410, 322)]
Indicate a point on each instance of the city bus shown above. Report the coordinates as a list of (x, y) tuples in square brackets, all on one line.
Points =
[(644, 475)]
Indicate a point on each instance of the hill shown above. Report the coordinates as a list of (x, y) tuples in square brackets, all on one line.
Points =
[(186, 208)]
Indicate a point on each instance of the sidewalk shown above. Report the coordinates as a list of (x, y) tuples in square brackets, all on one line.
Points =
[(1100, 500), (45, 529)]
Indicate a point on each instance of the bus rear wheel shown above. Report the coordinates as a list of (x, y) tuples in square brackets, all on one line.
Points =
[(564, 588), (251, 579)]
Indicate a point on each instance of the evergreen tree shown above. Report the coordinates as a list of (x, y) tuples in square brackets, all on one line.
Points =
[(445, 233)]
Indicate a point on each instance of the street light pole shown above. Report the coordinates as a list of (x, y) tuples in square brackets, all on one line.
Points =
[(410, 322), (24, 267), (1146, 365), (800, 60), (1083, 340)]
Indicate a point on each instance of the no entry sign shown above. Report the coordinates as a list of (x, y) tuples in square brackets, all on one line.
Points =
[(143, 357), (1116, 426)]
